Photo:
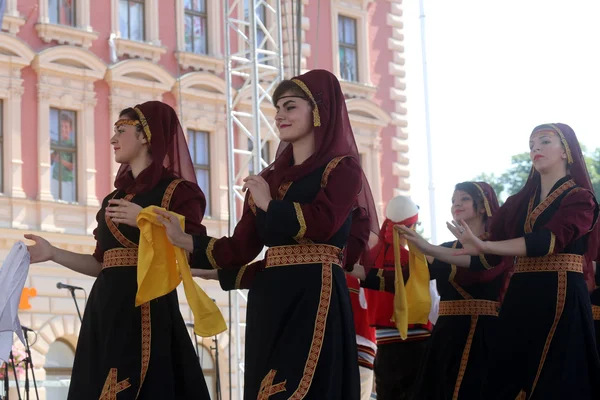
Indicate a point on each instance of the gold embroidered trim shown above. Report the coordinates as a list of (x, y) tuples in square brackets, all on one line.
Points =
[(166, 200), (301, 221), (267, 389), (532, 216), (330, 166), (486, 204), (464, 360), (551, 263), (564, 142), (469, 307), (561, 295), (453, 271), (305, 89), (144, 123), (318, 334), (146, 343), (354, 291), (596, 313), (239, 276), (280, 256), (521, 396), (251, 204), (126, 122), (456, 286), (483, 260), (112, 387), (120, 258), (114, 229), (209, 253), (381, 280), (283, 188), (552, 243)]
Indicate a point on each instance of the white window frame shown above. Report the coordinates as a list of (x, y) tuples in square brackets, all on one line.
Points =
[(151, 48), (81, 34), (201, 101), (368, 120), (357, 10), (213, 61), (11, 92), (13, 20), (65, 86)]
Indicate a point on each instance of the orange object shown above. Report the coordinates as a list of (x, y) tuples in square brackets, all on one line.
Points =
[(26, 294)]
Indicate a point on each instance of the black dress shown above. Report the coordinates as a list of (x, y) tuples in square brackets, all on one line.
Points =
[(456, 361), (546, 342), (300, 338), (127, 352)]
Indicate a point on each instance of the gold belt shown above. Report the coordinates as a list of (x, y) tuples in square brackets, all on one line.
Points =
[(596, 312), (304, 254), (551, 263), (120, 258), (469, 307)]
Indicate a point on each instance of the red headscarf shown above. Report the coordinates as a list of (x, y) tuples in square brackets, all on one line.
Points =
[(508, 223), (170, 154), (333, 138), (489, 199)]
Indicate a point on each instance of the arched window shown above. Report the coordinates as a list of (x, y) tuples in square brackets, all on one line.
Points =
[(58, 366)]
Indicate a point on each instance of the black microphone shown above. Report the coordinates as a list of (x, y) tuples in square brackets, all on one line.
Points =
[(61, 285), (26, 329)]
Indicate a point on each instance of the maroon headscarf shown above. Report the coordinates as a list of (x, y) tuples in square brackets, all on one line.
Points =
[(169, 150), (486, 193), (508, 224), (333, 138)]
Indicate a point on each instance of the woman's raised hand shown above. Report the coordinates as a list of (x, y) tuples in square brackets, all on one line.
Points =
[(472, 245)]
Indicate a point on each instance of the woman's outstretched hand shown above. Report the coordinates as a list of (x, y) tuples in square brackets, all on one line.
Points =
[(41, 251), (123, 212), (412, 236), (174, 232), (472, 245)]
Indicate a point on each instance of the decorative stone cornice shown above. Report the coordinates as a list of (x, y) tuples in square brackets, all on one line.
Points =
[(396, 69)]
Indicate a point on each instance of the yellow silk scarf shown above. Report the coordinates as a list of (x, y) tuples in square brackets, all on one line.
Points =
[(412, 302), (162, 267)]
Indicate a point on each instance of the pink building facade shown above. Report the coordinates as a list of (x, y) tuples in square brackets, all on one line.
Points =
[(67, 67)]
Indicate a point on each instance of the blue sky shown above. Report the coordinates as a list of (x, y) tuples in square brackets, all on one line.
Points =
[(496, 70)]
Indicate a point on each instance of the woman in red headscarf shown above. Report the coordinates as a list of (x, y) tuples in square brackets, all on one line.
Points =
[(456, 360), (300, 339), (546, 331), (123, 351)]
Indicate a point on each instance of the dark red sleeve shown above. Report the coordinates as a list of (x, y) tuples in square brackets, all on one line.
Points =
[(240, 278), (188, 200), (229, 252), (359, 235), (574, 218), (98, 251), (324, 216)]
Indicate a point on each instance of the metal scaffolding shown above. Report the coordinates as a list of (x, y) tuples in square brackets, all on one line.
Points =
[(253, 68)]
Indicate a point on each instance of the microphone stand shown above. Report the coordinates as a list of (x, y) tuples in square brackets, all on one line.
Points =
[(12, 361), (75, 301), (29, 361), (218, 373), (6, 380)]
